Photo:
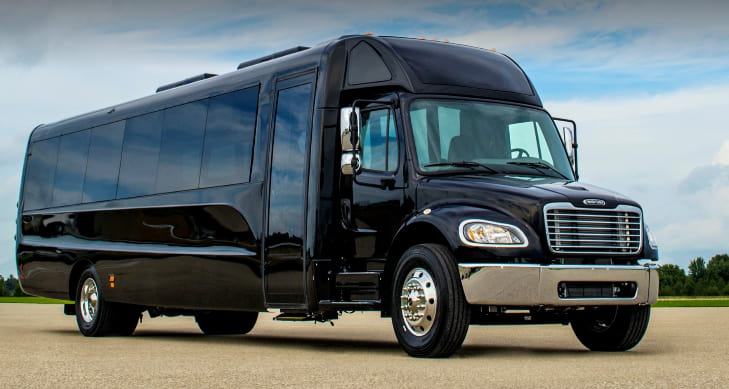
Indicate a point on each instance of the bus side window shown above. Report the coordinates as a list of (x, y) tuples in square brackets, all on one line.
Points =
[(71, 168), (378, 141), (181, 150), (102, 169), (40, 174), (140, 153), (229, 133)]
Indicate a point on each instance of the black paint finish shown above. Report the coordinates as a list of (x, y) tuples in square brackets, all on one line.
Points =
[(267, 219)]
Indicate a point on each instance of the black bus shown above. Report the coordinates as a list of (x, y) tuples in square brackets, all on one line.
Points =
[(420, 179)]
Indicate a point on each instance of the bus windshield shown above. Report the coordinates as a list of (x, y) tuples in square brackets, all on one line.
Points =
[(490, 137)]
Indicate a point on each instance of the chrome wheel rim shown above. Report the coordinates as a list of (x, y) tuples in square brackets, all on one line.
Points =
[(89, 300), (418, 302)]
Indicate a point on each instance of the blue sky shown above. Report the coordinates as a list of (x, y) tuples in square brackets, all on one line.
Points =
[(647, 81)]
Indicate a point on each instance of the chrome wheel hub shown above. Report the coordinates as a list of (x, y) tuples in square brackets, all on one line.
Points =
[(418, 302), (88, 300)]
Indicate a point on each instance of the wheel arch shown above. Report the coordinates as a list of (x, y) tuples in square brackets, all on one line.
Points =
[(414, 232), (73, 277)]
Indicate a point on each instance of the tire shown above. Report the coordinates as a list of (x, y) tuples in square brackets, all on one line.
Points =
[(225, 322), (613, 328), (430, 315), (97, 317)]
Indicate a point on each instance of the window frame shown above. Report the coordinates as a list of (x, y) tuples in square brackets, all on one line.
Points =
[(391, 115)]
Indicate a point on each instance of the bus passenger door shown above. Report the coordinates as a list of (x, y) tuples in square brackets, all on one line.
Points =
[(284, 245)]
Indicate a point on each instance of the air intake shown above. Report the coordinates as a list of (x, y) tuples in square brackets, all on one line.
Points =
[(186, 81), (272, 56), (572, 230)]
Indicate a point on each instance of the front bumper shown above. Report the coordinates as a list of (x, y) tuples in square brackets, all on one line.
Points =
[(532, 285)]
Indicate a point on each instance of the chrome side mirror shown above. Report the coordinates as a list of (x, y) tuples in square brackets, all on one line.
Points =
[(349, 119)]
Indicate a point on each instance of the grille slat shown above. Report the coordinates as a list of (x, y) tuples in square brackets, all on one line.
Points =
[(572, 230)]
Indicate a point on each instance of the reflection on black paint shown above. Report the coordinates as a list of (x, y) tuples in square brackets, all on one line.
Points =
[(102, 169)]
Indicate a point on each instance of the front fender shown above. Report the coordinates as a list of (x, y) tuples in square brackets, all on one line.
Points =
[(447, 220)]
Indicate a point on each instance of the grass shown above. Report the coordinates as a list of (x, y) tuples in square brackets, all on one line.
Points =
[(32, 300), (692, 302)]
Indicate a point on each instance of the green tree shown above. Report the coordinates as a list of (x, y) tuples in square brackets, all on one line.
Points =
[(2, 286), (10, 284), (18, 292), (672, 280), (697, 269), (719, 266)]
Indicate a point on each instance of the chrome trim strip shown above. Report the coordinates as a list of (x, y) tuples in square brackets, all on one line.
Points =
[(532, 285), (72, 243)]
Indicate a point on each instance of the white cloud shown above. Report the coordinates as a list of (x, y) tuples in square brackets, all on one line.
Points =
[(625, 36), (653, 148), (722, 157)]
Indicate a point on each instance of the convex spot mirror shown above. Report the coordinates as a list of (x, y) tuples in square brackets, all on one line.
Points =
[(349, 119)]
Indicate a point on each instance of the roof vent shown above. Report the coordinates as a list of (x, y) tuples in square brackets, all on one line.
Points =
[(186, 81), (272, 56)]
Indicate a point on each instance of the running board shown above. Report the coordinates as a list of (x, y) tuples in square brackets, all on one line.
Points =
[(365, 305), (304, 316)]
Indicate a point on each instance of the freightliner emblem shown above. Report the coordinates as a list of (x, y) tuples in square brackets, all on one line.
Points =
[(593, 202)]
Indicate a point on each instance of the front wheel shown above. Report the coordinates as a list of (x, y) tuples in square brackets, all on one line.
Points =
[(612, 328), (430, 314)]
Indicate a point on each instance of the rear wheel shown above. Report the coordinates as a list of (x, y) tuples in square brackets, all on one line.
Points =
[(225, 322), (613, 328), (430, 315), (97, 317)]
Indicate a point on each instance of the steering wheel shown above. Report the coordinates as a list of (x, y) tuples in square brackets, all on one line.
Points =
[(520, 153)]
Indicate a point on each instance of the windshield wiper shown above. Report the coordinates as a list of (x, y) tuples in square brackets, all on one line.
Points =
[(469, 164), (538, 165)]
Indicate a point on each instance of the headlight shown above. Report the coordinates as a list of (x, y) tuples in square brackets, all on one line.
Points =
[(488, 233), (651, 238)]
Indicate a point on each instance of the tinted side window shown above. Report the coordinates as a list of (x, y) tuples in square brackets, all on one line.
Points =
[(181, 149), (379, 140), (71, 168), (40, 174), (102, 169), (138, 172), (229, 138), (289, 164)]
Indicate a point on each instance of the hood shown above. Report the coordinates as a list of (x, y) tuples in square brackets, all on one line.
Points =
[(520, 196)]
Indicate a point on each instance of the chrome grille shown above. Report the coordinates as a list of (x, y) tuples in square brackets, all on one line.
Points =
[(572, 230)]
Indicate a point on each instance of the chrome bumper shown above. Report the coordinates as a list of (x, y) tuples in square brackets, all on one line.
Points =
[(530, 285)]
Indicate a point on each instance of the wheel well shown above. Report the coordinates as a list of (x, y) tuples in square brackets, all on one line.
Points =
[(414, 234), (76, 271)]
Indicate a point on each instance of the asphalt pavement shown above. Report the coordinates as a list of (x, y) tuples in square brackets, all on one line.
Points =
[(684, 347)]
